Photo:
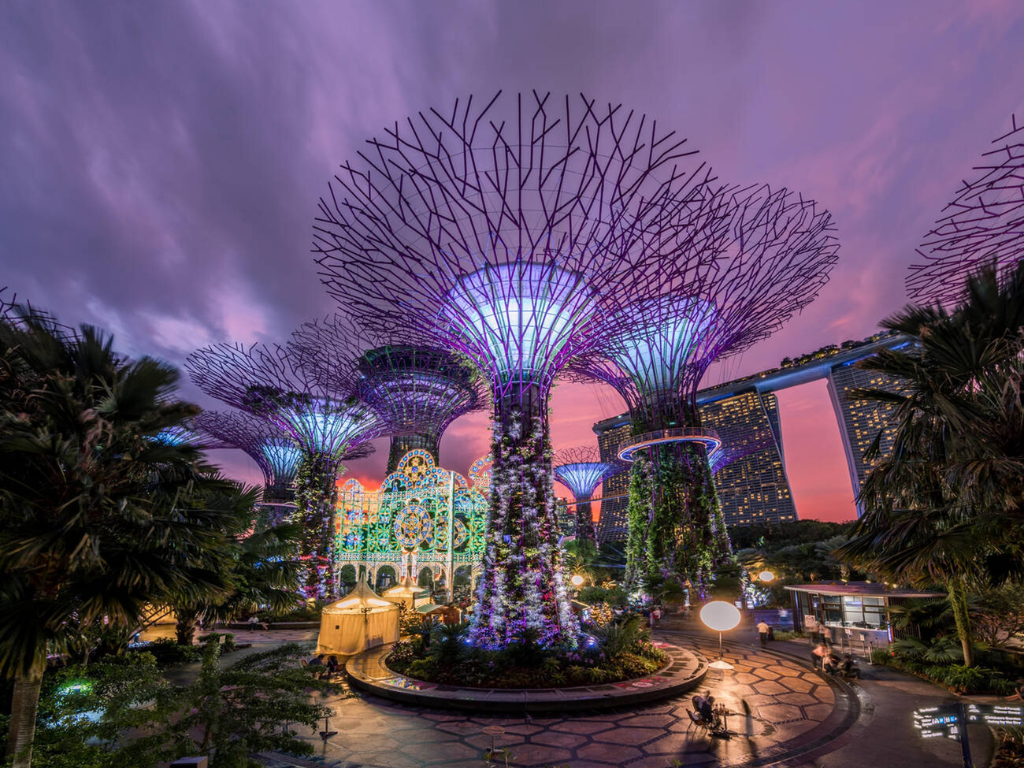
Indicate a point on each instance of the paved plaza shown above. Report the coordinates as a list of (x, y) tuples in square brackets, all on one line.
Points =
[(785, 715), (782, 709)]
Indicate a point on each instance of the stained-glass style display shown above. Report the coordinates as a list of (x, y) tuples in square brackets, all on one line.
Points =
[(421, 517)]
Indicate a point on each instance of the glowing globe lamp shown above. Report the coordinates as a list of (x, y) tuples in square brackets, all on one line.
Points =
[(766, 576), (721, 617), (577, 580)]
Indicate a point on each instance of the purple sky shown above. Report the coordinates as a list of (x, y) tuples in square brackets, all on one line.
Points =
[(162, 161)]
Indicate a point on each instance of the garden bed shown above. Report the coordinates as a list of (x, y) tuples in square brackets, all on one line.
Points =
[(611, 655), (953, 677)]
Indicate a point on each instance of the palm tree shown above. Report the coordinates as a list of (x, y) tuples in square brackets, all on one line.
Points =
[(945, 506), (94, 519)]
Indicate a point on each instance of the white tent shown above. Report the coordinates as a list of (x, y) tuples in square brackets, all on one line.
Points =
[(358, 621), (408, 594)]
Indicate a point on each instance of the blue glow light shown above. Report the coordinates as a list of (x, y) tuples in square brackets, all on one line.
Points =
[(326, 425), (284, 457), (582, 478), (667, 334), (519, 317), (174, 436)]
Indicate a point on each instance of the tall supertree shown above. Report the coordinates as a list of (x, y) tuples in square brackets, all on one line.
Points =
[(417, 389), (581, 470), (320, 413), (503, 232), (765, 258), (982, 226)]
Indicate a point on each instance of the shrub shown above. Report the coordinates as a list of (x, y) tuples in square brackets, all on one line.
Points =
[(226, 640), (168, 653), (881, 656)]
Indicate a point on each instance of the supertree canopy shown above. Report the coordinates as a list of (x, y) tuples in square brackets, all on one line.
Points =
[(274, 452), (765, 258), (321, 414), (581, 470), (417, 389), (983, 225), (504, 232)]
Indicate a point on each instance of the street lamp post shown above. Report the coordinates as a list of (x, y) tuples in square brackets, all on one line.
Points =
[(721, 617)]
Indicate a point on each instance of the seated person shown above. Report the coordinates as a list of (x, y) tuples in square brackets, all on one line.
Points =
[(819, 654), (332, 665), (317, 661), (831, 664), (849, 668), (707, 714)]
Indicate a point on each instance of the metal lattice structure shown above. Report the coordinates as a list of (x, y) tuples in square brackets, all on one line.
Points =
[(274, 452), (315, 407), (421, 517), (505, 232), (982, 226), (417, 389), (764, 257), (581, 470)]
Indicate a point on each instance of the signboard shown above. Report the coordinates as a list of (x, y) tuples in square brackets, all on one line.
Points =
[(951, 720), (938, 721)]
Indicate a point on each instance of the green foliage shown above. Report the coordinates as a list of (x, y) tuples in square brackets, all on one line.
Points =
[(614, 596), (169, 653), (226, 640), (241, 709), (945, 504), (620, 654), (956, 677), (619, 637), (638, 513)]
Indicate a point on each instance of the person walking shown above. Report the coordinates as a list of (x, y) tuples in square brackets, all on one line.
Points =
[(762, 630)]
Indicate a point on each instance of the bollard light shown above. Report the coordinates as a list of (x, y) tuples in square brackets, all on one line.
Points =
[(766, 576), (577, 580), (721, 617)]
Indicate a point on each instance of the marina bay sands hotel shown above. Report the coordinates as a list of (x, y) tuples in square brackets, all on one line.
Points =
[(751, 477)]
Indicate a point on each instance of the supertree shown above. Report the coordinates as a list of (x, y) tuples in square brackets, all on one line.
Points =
[(417, 389), (321, 414), (274, 452), (503, 233), (766, 258), (581, 470), (982, 226)]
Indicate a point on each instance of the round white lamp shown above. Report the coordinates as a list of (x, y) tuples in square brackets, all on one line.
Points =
[(577, 580), (766, 576), (721, 617)]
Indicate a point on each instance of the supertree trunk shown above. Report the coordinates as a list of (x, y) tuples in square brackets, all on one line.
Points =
[(402, 444), (316, 496), (686, 538), (585, 530), (521, 594)]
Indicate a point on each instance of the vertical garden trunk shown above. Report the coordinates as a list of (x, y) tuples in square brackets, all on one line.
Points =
[(521, 592), (24, 706), (958, 600), (686, 538), (638, 516), (585, 530), (315, 496)]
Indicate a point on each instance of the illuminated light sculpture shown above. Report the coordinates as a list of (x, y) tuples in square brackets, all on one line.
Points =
[(503, 233), (317, 409), (762, 256), (720, 617), (983, 225), (421, 517), (581, 470), (417, 389)]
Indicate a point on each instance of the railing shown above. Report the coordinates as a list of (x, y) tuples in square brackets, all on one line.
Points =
[(628, 448)]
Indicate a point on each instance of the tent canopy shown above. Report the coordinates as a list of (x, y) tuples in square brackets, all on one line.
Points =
[(358, 621), (358, 600)]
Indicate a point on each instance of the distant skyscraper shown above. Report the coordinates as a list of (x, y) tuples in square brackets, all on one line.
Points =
[(752, 487), (860, 421)]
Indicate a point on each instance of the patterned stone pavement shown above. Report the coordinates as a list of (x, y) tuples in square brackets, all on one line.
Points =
[(781, 710)]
